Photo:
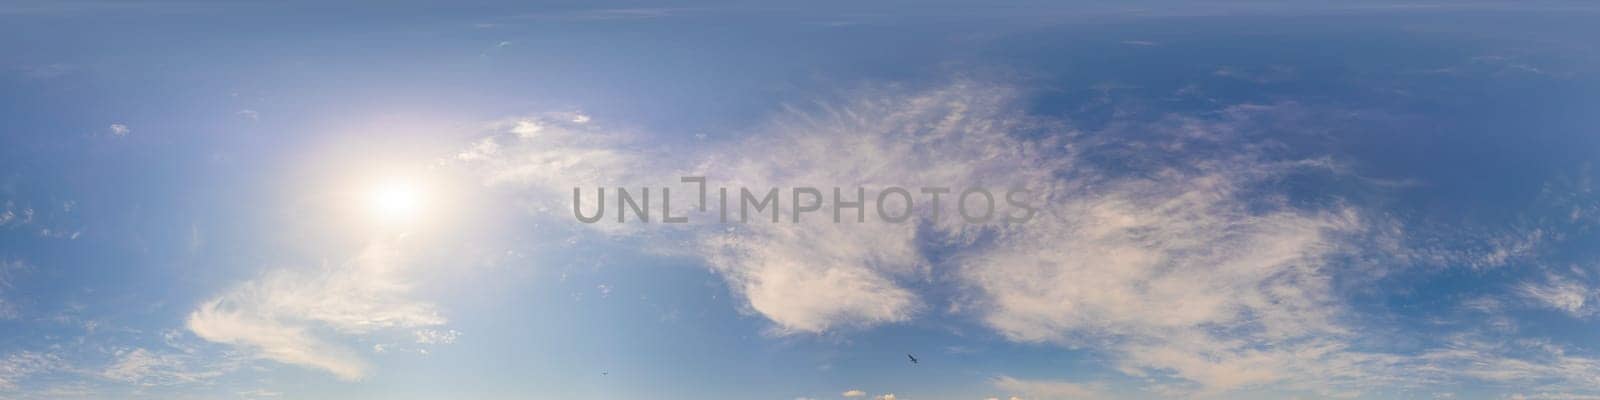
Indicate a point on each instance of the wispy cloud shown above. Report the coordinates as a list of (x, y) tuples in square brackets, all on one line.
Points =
[(1160, 259), (1178, 261), (1560, 293), (283, 316), (143, 367), (1259, 75), (1046, 389), (47, 71), (602, 14), (17, 366), (9, 269), (1524, 365)]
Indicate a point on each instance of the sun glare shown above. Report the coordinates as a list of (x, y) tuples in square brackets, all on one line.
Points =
[(395, 201)]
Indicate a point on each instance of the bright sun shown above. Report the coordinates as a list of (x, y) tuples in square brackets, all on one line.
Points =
[(396, 201)]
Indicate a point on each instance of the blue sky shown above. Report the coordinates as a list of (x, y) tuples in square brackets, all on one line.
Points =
[(1239, 200)]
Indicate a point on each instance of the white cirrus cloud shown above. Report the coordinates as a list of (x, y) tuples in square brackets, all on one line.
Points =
[(1176, 272), (1520, 364), (1560, 293), (957, 137), (298, 316), (1167, 245)]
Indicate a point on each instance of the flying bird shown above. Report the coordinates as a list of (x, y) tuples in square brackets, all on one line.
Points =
[(913, 358)]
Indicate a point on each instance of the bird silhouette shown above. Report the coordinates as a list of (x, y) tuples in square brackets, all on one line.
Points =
[(913, 358)]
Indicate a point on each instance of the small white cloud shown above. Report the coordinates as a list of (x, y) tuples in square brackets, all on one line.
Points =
[(1559, 293), (527, 128), (119, 130), (429, 336), (11, 215), (249, 114), (889, 396), (485, 149), (853, 393)]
